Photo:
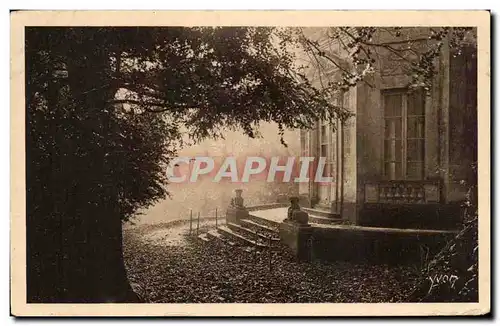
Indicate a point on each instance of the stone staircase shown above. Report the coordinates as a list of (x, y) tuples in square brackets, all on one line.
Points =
[(257, 233), (253, 233), (323, 216)]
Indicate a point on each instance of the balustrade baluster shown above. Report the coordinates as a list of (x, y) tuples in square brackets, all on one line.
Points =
[(409, 191), (397, 193), (390, 193), (383, 193), (404, 193), (420, 194)]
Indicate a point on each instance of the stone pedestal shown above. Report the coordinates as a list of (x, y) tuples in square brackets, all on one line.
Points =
[(237, 210), (295, 231), (297, 237), (236, 214)]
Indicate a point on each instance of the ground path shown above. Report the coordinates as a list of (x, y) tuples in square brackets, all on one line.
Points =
[(166, 266)]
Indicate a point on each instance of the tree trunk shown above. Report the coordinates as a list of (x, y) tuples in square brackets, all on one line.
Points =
[(78, 261), (74, 233), (101, 277)]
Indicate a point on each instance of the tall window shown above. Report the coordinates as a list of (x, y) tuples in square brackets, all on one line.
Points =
[(325, 146), (404, 115), (328, 133), (304, 142)]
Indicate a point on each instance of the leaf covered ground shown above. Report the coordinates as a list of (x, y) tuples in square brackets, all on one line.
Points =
[(192, 271)]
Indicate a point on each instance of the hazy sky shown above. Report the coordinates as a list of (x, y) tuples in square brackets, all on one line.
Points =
[(205, 195)]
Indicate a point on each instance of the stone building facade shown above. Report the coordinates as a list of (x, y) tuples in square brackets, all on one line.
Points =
[(404, 158)]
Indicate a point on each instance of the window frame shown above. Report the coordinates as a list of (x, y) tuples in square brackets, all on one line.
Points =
[(332, 153), (326, 141), (304, 142), (405, 96)]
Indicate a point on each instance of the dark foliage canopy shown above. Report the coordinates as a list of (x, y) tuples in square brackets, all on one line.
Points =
[(107, 107)]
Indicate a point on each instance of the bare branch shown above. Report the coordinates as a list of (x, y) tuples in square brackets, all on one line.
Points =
[(140, 103)]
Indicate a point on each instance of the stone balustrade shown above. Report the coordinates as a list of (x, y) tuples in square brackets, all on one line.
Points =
[(403, 192)]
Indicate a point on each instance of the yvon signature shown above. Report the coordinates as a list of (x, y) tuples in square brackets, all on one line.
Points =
[(437, 280)]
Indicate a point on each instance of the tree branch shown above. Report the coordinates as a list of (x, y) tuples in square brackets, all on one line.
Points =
[(383, 45), (137, 102), (326, 57), (311, 44)]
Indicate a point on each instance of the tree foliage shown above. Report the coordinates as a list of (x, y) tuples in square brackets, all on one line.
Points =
[(453, 274), (107, 108), (358, 52), (200, 79)]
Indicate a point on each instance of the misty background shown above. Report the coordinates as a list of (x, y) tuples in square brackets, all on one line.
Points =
[(204, 195)]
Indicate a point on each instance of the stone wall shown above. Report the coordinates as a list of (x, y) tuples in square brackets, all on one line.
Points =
[(351, 244), (450, 111), (463, 122)]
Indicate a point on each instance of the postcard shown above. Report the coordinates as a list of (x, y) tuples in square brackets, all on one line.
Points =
[(250, 163)]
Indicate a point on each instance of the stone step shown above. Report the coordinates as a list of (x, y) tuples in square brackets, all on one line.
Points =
[(251, 234), (259, 228), (321, 212), (214, 234), (204, 237), (324, 220), (266, 206), (240, 239), (263, 221)]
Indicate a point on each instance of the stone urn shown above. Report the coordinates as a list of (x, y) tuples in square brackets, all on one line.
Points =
[(236, 211), (238, 200)]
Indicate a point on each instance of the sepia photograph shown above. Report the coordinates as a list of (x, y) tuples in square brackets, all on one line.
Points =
[(221, 162)]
